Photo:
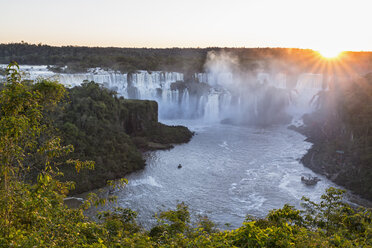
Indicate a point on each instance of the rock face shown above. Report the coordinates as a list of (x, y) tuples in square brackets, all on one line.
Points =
[(141, 116)]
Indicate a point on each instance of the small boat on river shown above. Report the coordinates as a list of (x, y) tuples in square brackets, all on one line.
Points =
[(309, 180)]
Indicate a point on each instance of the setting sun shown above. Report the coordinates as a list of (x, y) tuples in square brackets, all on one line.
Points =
[(330, 53)]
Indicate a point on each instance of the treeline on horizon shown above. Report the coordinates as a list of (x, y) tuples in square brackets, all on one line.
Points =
[(186, 60)]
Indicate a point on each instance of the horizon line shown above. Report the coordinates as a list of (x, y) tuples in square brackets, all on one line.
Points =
[(175, 47)]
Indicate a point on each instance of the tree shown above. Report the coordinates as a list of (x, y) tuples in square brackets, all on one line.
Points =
[(24, 207)]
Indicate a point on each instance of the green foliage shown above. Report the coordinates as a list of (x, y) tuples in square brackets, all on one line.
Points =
[(121, 222), (21, 124), (31, 214), (330, 223), (172, 222)]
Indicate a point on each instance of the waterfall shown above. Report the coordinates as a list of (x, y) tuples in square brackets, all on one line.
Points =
[(200, 106), (281, 80), (185, 103), (306, 91), (211, 109), (241, 97)]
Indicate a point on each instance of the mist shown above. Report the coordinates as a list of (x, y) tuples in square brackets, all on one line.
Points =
[(232, 89), (261, 94)]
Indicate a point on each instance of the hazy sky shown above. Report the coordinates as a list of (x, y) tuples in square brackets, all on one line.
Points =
[(317, 24)]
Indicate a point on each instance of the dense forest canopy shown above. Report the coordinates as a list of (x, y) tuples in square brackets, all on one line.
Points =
[(187, 60)]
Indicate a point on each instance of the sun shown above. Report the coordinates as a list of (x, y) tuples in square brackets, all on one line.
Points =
[(330, 53)]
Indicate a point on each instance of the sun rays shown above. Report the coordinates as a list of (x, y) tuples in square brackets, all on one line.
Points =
[(330, 53)]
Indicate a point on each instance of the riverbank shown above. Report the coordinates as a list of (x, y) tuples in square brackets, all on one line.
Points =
[(339, 129), (329, 156)]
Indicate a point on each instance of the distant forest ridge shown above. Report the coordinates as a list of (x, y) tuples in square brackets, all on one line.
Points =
[(186, 60)]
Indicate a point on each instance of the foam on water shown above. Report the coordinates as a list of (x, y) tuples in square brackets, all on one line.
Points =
[(148, 181)]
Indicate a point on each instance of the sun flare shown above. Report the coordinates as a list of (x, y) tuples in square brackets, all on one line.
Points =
[(330, 53)]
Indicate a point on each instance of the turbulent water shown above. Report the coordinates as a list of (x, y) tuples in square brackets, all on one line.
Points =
[(227, 172)]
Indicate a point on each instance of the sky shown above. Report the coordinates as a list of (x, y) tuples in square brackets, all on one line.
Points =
[(323, 25)]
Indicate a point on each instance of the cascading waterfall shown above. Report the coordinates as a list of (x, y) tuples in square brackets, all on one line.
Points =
[(306, 92), (246, 100), (281, 81), (185, 103), (211, 109), (200, 105)]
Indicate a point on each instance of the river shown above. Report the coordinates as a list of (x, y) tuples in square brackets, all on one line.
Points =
[(227, 172)]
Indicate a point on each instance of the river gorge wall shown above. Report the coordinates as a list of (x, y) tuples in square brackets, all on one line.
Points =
[(340, 133)]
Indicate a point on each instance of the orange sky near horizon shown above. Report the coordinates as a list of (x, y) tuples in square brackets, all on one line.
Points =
[(326, 26)]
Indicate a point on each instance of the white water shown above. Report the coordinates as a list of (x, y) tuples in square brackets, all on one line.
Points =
[(242, 102)]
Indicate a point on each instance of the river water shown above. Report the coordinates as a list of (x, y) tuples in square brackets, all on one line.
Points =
[(227, 172)]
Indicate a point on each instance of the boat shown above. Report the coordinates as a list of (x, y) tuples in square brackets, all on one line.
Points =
[(309, 180)]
